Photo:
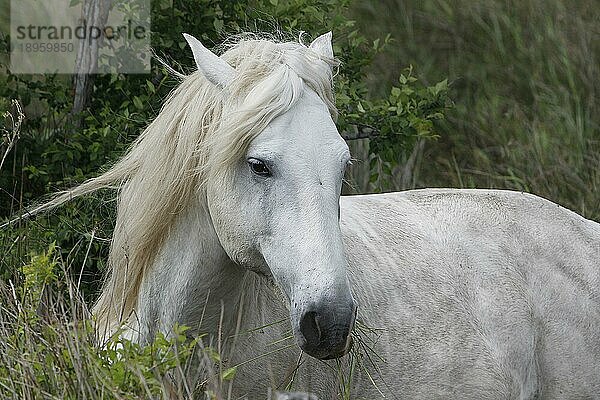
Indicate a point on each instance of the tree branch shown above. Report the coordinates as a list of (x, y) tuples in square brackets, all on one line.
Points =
[(93, 13)]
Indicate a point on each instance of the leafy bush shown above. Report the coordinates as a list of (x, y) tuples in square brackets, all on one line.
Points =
[(58, 150)]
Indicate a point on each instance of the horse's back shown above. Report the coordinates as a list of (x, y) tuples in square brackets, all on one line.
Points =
[(485, 294)]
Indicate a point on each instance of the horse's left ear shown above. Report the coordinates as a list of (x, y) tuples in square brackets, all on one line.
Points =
[(322, 45), (214, 68)]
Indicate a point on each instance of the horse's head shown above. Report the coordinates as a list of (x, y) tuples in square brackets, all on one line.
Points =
[(275, 203)]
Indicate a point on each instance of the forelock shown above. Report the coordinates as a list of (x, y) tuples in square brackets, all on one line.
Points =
[(270, 78)]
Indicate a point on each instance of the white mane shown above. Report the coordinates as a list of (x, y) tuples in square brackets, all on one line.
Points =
[(199, 131)]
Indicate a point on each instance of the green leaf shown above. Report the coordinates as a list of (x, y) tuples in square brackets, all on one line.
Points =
[(151, 87), (229, 374), (218, 24), (138, 103), (216, 357), (440, 86)]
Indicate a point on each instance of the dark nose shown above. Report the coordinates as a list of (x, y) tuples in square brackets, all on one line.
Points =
[(325, 330)]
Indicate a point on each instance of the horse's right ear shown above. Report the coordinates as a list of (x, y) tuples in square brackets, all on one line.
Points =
[(214, 68)]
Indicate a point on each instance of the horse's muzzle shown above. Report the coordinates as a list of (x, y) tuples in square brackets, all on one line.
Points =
[(324, 332)]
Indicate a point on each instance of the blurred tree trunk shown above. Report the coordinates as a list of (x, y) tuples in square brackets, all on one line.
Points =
[(93, 13), (406, 172)]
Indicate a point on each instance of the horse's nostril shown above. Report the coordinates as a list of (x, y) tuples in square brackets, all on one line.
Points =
[(309, 327)]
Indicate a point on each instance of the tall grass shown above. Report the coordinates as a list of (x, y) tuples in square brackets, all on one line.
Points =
[(49, 350), (526, 81)]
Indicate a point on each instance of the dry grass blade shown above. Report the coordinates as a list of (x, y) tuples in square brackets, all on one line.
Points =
[(12, 130)]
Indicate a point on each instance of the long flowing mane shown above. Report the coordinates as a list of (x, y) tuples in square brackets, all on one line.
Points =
[(199, 131)]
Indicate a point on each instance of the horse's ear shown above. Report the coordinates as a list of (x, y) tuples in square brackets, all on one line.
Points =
[(322, 45), (214, 68)]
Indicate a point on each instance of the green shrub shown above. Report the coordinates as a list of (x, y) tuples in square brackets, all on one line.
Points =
[(56, 150)]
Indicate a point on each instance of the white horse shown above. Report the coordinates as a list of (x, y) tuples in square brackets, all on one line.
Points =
[(230, 221)]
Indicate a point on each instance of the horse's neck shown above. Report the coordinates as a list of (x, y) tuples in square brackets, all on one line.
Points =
[(192, 281)]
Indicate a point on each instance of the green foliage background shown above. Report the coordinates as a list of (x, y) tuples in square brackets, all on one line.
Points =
[(54, 153)]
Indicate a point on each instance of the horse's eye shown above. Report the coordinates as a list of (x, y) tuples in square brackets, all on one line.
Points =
[(259, 167)]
